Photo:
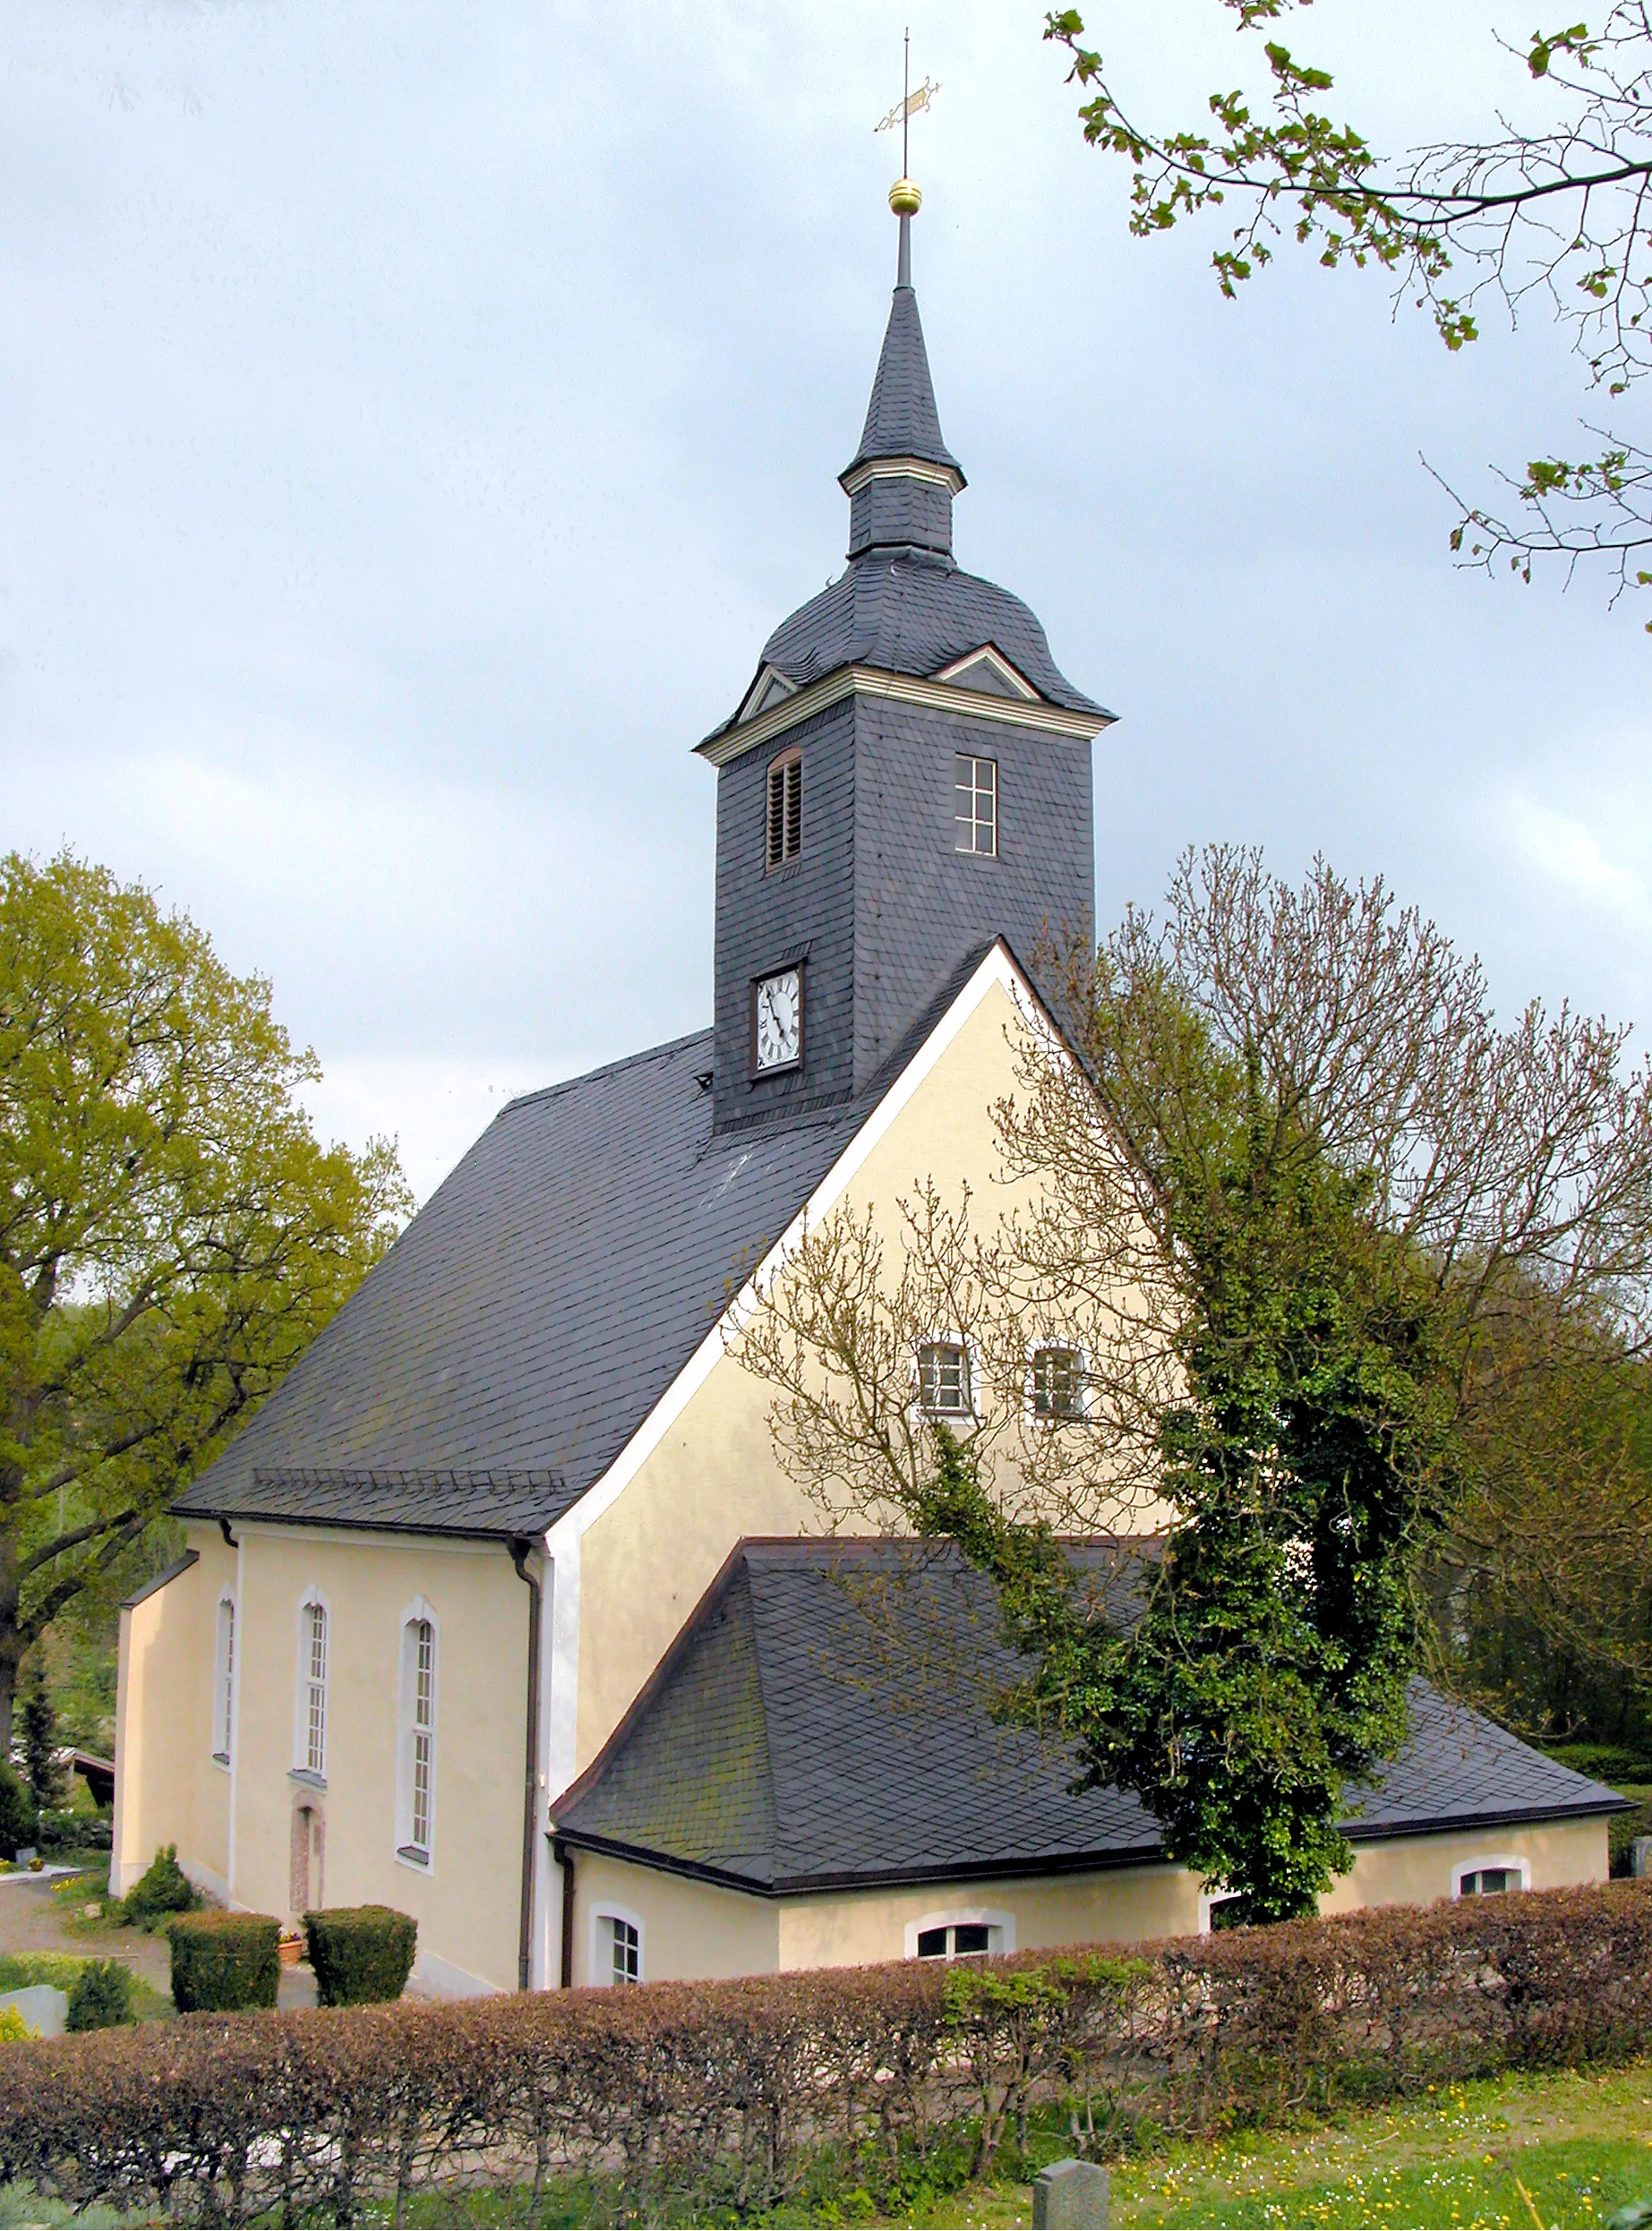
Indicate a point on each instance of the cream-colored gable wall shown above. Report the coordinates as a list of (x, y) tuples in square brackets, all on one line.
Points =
[(647, 1561)]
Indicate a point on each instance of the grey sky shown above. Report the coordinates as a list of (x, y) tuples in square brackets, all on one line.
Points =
[(413, 420)]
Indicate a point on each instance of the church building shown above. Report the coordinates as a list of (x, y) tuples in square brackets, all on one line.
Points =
[(501, 1610)]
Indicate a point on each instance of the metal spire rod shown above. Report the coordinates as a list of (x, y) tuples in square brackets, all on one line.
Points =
[(906, 97)]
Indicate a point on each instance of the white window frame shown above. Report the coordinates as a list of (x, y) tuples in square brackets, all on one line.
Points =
[(993, 1918), (314, 1776), (1080, 1413), (602, 1918), (1511, 1860), (973, 849), (224, 1681), (1217, 1896), (421, 1858), (945, 1340)]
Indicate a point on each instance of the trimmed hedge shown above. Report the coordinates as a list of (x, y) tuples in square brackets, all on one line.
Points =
[(100, 1998), (361, 1954), (224, 1960), (693, 2097)]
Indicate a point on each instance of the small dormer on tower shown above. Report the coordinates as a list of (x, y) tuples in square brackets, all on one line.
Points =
[(906, 777)]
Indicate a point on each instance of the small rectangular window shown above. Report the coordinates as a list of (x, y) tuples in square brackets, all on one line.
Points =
[(976, 812), (626, 1950), (944, 1377), (785, 809), (931, 1944), (1055, 1381)]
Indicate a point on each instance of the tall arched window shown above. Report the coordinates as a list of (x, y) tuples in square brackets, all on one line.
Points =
[(224, 1681), (312, 1685), (416, 1775)]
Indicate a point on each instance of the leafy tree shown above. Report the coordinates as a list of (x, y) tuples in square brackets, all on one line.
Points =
[(1560, 215), (172, 1234), (40, 1736), (1277, 1219)]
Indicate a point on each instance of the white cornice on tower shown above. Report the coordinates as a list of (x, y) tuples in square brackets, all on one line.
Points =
[(872, 681)]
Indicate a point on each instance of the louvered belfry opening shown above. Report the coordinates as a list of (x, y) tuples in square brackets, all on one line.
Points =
[(785, 808)]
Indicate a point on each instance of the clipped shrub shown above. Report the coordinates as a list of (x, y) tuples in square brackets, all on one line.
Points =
[(18, 1822), (161, 1889), (100, 1998), (224, 1960), (360, 1953)]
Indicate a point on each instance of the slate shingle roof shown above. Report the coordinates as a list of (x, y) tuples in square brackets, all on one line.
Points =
[(901, 418), (822, 1723), (496, 1362), (915, 614)]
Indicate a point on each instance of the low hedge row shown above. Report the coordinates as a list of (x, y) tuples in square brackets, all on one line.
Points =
[(688, 2093)]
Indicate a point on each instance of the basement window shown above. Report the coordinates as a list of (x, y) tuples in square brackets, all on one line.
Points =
[(1491, 1877), (784, 810), (969, 1933), (944, 1377), (976, 810)]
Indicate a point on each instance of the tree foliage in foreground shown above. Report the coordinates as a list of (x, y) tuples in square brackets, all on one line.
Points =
[(1283, 1212), (172, 1233), (1559, 215)]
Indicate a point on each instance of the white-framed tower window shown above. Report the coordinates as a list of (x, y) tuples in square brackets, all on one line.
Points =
[(1491, 1875), (961, 1933), (616, 1946), (314, 1646), (224, 1681), (975, 812), (415, 1774)]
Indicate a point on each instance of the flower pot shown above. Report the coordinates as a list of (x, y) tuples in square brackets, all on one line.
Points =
[(291, 1950)]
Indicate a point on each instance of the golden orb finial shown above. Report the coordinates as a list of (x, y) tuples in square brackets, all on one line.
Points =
[(905, 198)]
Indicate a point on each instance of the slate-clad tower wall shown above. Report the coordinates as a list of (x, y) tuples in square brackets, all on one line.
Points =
[(882, 904)]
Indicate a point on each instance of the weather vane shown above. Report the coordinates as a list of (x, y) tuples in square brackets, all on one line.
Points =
[(910, 103)]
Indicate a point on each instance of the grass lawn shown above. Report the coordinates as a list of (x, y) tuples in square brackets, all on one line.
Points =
[(1519, 2151)]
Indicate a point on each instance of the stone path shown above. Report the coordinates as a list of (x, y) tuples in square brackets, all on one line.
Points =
[(30, 1921)]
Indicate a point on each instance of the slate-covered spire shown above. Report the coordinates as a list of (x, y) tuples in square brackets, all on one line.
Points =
[(902, 478)]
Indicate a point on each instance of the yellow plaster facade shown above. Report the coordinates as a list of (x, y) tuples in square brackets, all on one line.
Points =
[(236, 1829), (623, 1571)]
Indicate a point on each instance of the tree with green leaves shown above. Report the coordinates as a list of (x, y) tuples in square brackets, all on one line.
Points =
[(172, 1233), (40, 1736), (1273, 1202), (1555, 213)]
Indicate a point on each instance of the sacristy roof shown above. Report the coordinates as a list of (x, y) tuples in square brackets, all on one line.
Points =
[(818, 1677)]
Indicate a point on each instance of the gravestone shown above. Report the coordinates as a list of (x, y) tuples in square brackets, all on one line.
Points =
[(1071, 2196), (44, 2009), (1640, 1856)]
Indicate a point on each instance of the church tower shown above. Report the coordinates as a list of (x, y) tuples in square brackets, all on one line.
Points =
[(907, 777)]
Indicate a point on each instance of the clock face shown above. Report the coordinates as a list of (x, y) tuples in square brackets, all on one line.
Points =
[(779, 1021)]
